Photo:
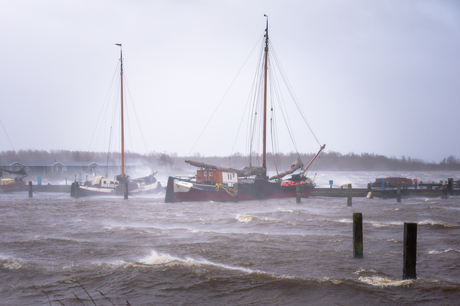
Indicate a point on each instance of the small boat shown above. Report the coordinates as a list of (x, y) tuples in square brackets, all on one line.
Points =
[(12, 184), (216, 183), (101, 185)]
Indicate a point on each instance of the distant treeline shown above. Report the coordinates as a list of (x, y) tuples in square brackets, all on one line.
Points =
[(327, 161)]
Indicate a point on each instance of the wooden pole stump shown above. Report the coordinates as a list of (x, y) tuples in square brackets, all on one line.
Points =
[(349, 196), (450, 186), (398, 193), (72, 190), (76, 190), (169, 198), (444, 190), (31, 194), (297, 193), (235, 192), (357, 235), (410, 250)]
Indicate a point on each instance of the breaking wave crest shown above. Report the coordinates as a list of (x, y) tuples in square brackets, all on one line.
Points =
[(384, 282), (434, 252), (242, 218), (435, 223), (11, 263), (158, 258), (382, 224)]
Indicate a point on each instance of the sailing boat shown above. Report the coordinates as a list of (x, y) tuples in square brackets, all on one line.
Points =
[(12, 184), (217, 183), (100, 185)]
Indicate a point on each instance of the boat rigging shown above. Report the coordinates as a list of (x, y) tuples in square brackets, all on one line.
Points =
[(252, 181)]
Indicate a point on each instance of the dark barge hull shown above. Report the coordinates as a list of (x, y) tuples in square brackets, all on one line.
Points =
[(183, 191)]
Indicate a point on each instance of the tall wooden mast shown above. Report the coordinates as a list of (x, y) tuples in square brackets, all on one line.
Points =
[(122, 118), (264, 156)]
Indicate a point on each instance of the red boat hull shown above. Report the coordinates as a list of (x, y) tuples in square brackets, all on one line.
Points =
[(16, 186)]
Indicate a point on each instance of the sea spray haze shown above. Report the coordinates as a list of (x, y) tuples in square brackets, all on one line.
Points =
[(270, 252)]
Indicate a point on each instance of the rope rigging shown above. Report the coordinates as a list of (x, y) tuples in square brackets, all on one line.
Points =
[(225, 94)]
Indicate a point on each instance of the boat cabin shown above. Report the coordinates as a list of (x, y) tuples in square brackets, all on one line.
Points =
[(7, 181), (217, 176), (103, 182)]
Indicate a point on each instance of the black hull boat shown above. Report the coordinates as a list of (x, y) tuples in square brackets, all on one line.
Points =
[(180, 190)]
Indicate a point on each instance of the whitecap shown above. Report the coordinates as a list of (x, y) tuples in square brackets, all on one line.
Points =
[(332, 280), (434, 252), (384, 282), (379, 224), (157, 258), (345, 221), (429, 222), (11, 263), (241, 218), (362, 270)]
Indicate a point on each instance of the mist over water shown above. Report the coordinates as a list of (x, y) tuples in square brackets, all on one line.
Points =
[(271, 252)]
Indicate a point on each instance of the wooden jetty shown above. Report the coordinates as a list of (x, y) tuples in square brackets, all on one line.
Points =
[(430, 190), (380, 193)]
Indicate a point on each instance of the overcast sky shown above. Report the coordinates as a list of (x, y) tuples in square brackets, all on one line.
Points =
[(372, 76)]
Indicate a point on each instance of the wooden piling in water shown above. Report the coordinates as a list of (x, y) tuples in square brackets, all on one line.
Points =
[(297, 193), (125, 190), (169, 198), (349, 196), (76, 190), (444, 190), (235, 192), (450, 186), (72, 190), (31, 195), (398, 193), (357, 235), (410, 251)]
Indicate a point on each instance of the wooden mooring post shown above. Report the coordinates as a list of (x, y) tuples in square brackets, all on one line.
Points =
[(444, 190), (76, 191), (235, 192), (398, 193), (297, 193), (370, 194), (349, 196), (450, 186), (169, 198), (357, 235), (72, 190), (125, 193), (410, 250), (31, 193)]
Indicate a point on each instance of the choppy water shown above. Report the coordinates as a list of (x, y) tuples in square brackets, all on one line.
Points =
[(273, 252)]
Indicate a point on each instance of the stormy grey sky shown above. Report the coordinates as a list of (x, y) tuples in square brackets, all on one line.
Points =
[(372, 76)]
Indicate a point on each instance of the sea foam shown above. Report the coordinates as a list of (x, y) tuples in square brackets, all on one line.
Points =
[(384, 282)]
